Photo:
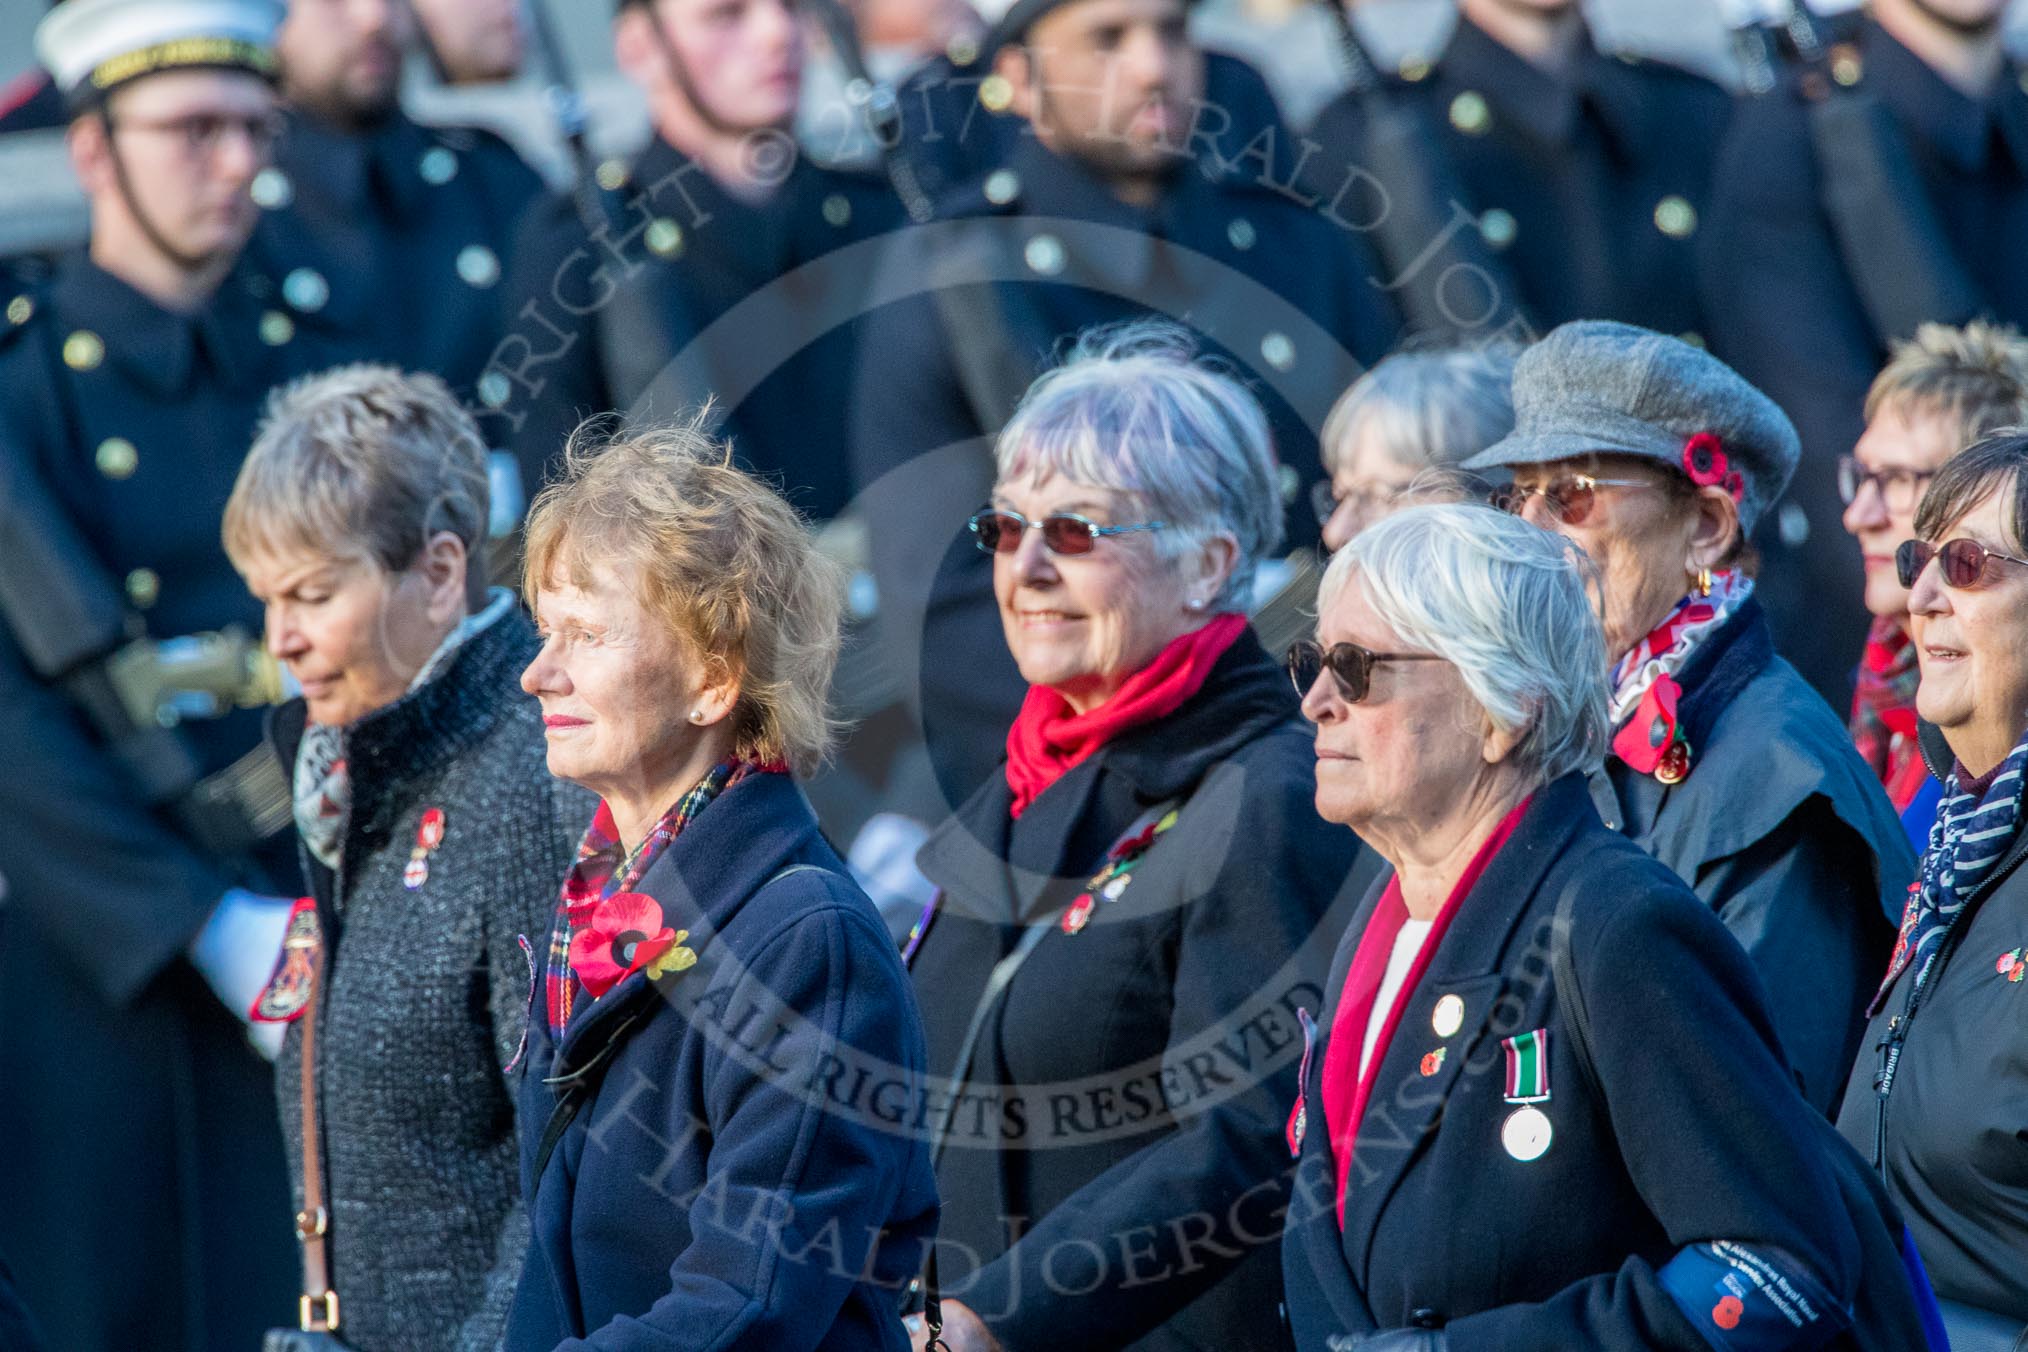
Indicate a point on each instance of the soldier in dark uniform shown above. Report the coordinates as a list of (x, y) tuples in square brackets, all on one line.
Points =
[(145, 1204), (1587, 172), (1909, 151), (614, 289), (1109, 211), (390, 237)]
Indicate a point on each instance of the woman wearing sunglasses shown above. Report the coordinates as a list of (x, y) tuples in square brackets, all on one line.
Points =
[(1657, 459), (1546, 1109), (1942, 391), (1131, 913), (1938, 1099)]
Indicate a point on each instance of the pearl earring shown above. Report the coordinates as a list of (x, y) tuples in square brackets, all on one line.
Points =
[(697, 715)]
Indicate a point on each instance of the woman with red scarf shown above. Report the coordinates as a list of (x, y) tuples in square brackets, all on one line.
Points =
[(1133, 917), (1657, 460), (1545, 1108)]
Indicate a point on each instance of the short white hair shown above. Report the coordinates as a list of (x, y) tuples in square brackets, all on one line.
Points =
[(1431, 408), (1134, 408), (1506, 603)]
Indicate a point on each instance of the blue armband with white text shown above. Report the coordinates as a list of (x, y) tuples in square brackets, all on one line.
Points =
[(1750, 1300)]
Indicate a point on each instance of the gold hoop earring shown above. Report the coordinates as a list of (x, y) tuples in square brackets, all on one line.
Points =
[(1704, 582)]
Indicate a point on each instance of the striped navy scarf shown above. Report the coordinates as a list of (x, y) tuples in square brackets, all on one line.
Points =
[(1970, 834)]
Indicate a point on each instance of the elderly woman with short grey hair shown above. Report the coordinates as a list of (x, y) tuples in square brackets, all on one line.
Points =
[(1480, 1166), (1130, 914), (1411, 420), (432, 838), (1657, 460)]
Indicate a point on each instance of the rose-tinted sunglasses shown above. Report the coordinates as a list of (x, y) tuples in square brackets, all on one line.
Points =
[(1569, 499), (1966, 563), (996, 531)]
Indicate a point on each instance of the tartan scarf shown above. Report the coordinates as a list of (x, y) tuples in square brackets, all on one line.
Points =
[(604, 869), (1883, 711), (1970, 834)]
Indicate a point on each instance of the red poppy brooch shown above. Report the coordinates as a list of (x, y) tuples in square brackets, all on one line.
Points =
[(1109, 882), (1705, 461), (626, 935)]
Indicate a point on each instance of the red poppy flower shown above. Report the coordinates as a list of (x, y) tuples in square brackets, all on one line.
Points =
[(625, 935), (1704, 459)]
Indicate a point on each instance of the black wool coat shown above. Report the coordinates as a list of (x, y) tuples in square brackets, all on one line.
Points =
[(1947, 1132), (1113, 1168), (1691, 1132), (426, 994), (1785, 833)]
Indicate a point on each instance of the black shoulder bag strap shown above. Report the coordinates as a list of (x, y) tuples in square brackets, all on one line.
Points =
[(1570, 999)]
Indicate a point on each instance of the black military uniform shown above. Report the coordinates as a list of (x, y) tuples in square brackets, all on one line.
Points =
[(148, 1120), (1025, 259), (1587, 184), (1790, 313), (392, 245), (602, 321)]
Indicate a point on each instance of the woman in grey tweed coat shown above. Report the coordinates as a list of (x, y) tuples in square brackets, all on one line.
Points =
[(432, 835)]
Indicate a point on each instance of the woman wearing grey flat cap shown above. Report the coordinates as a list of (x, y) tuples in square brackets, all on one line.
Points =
[(1657, 459)]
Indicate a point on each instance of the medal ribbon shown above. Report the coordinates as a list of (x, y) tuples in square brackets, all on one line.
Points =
[(1527, 1067)]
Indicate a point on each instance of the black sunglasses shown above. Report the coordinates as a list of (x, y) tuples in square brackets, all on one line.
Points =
[(1350, 665), (1966, 563), (995, 531)]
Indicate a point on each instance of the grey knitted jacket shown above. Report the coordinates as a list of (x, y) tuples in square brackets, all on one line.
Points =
[(426, 996)]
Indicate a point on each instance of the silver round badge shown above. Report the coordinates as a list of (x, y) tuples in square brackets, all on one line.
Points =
[(1526, 1133), (1448, 1016)]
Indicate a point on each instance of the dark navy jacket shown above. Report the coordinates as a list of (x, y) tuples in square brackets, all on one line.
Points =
[(1785, 833), (1691, 1132), (745, 1173), (1122, 1118)]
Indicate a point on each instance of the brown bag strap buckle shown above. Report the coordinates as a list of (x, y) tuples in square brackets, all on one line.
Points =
[(318, 1313)]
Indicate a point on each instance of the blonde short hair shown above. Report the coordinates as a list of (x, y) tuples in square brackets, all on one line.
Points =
[(1974, 377), (726, 563), (362, 462)]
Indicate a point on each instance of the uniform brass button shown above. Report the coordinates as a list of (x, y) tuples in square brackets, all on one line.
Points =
[(306, 289), (19, 309), (1498, 226), (276, 328), (1002, 187), (116, 458), (143, 587), (1469, 113), (996, 93), (83, 351), (494, 389), (1242, 234), (271, 189), (1847, 67), (438, 166), (663, 237), (1414, 69), (1288, 483), (611, 174), (478, 266), (1692, 337), (837, 210), (962, 50), (1278, 350), (1675, 217), (1044, 254)]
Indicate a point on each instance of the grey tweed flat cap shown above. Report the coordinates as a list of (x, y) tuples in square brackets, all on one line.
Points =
[(1598, 387)]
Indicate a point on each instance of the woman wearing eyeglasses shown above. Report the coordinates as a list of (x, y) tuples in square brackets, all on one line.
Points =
[(1412, 413), (1131, 913), (1545, 1110), (1939, 394), (1657, 459), (1938, 1099)]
